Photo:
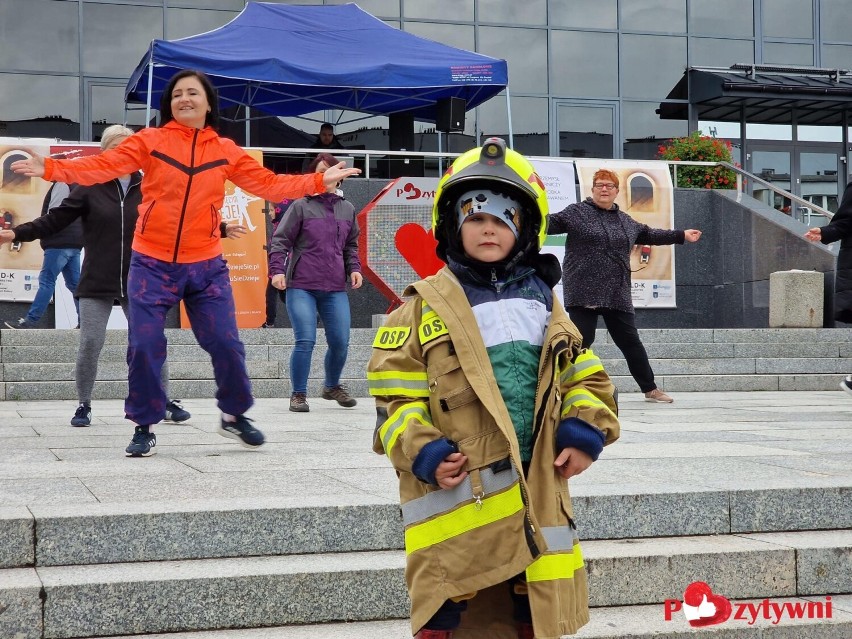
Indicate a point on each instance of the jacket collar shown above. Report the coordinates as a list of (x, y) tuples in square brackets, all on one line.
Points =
[(203, 134)]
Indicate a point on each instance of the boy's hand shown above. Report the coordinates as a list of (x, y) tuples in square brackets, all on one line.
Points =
[(571, 461), (449, 473)]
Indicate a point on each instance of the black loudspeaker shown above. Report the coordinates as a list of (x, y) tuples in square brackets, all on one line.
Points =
[(449, 114), (401, 132), (401, 138)]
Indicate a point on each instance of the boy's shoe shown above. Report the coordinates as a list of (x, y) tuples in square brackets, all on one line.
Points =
[(83, 416), (175, 412), (242, 431), (846, 384), (339, 394), (299, 403), (21, 322), (657, 395), (142, 444)]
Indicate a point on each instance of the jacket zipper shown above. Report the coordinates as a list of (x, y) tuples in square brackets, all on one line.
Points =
[(185, 197), (121, 196)]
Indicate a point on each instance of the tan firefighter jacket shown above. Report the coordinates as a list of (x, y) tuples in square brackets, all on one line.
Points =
[(432, 378)]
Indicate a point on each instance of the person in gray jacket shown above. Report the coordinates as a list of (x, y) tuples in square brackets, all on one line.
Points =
[(596, 273)]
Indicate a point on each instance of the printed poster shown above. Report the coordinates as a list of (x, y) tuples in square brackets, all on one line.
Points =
[(645, 194), (21, 199)]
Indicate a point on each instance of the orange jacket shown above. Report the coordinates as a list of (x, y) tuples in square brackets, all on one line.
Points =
[(184, 185)]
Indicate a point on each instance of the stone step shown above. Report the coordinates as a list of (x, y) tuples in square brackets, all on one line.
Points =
[(181, 353), (280, 386), (55, 535), (51, 338), (621, 622), (247, 592), (36, 368)]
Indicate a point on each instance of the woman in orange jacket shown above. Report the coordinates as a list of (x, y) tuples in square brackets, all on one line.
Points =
[(177, 252)]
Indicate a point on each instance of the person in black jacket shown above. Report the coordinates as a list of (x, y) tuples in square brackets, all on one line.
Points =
[(840, 228), (107, 215), (61, 255), (596, 273)]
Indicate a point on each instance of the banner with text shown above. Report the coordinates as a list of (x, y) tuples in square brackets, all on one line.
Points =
[(646, 195), (560, 184)]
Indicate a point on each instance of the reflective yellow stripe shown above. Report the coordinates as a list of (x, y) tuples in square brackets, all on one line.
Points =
[(463, 520), (561, 565), (398, 383), (581, 397), (397, 423), (586, 364)]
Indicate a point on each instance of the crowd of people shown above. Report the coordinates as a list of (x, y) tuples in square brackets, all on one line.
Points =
[(488, 394)]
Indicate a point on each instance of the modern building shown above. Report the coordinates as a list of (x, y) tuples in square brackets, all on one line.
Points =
[(586, 77)]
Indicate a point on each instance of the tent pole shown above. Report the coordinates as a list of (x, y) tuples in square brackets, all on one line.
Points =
[(150, 87), (509, 116), (248, 125), (440, 157)]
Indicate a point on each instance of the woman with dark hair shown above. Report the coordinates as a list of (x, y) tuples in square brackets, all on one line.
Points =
[(314, 255), (177, 250), (320, 164)]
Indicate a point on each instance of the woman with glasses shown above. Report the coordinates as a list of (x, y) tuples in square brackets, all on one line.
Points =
[(596, 273)]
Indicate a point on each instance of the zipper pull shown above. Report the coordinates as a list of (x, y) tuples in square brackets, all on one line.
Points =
[(497, 285), (478, 498)]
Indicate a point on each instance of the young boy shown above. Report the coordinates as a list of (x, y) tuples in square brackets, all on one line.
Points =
[(486, 406)]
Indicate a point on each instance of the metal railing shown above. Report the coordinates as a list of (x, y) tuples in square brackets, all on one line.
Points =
[(437, 161), (811, 209)]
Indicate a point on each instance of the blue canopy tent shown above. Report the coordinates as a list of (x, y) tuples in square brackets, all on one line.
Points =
[(291, 60)]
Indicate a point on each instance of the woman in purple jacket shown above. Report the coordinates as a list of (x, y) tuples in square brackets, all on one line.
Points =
[(314, 254)]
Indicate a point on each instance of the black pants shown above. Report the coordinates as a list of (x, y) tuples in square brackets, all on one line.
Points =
[(622, 329), (272, 295)]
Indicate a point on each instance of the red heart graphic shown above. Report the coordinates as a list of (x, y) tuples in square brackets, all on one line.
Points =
[(417, 246), (696, 593)]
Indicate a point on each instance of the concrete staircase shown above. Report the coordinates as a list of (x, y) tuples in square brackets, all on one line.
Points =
[(753, 497), (39, 364), (110, 570)]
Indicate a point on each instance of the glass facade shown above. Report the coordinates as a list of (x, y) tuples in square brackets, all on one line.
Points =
[(578, 69)]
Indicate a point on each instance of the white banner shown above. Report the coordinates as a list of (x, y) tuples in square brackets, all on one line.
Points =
[(559, 182), (646, 195)]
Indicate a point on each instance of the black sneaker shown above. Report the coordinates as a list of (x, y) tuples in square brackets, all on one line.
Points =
[(175, 412), (21, 322), (299, 403), (142, 444), (83, 416), (846, 384), (242, 431), (340, 395)]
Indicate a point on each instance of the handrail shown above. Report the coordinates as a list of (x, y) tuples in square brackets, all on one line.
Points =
[(441, 156), (366, 153), (742, 173)]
